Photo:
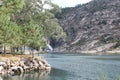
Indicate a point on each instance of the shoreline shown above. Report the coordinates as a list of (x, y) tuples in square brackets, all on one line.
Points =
[(21, 64), (89, 52)]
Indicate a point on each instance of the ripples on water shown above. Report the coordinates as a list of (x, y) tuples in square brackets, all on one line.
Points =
[(75, 67), (86, 67)]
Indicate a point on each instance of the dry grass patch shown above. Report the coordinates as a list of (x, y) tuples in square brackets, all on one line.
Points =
[(12, 58)]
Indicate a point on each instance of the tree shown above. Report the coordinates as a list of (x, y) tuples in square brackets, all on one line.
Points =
[(8, 29), (28, 24), (12, 6), (9, 32), (4, 31), (33, 35), (34, 10)]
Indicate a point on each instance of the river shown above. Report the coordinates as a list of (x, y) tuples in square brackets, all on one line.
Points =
[(75, 67)]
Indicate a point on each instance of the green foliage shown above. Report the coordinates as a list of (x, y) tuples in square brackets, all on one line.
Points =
[(9, 34), (33, 35), (55, 9), (63, 11), (97, 5), (117, 45), (45, 18), (66, 10), (106, 38), (81, 41), (11, 6), (28, 23), (102, 39)]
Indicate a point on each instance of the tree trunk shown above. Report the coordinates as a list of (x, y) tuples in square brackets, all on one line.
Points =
[(32, 54), (17, 49), (21, 50), (4, 50), (12, 50), (24, 49)]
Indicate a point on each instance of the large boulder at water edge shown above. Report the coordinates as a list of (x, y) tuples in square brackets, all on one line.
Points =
[(18, 65)]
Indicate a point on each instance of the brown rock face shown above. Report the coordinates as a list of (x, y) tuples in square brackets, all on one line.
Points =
[(92, 26)]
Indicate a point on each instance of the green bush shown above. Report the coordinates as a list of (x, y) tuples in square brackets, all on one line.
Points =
[(106, 38), (81, 41), (117, 45)]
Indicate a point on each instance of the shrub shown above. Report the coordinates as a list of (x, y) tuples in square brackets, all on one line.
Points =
[(81, 41)]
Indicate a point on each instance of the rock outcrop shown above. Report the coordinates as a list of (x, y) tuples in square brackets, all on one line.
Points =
[(94, 26), (17, 65)]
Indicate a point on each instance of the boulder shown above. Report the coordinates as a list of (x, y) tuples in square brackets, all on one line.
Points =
[(14, 66), (1, 69)]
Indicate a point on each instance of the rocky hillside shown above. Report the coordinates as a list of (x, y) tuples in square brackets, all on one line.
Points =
[(94, 26)]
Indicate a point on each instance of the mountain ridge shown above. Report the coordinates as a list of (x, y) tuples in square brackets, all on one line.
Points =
[(94, 26)]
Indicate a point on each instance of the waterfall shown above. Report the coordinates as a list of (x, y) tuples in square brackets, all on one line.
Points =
[(50, 47)]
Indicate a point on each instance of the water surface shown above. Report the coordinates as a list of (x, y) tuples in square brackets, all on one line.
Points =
[(75, 67)]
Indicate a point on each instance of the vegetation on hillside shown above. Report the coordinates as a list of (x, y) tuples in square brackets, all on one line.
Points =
[(28, 23), (97, 22)]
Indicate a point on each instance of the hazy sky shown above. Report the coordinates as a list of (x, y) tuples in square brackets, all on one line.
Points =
[(69, 3)]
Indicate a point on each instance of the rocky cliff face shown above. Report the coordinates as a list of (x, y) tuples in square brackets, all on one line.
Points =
[(94, 26)]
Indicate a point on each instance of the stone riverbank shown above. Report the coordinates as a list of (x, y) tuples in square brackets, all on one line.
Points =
[(17, 65)]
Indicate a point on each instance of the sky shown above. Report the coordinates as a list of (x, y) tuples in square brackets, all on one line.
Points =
[(69, 3)]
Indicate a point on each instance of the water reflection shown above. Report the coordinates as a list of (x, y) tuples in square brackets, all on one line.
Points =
[(54, 74), (85, 67), (33, 75), (57, 74)]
